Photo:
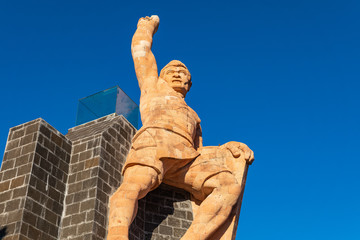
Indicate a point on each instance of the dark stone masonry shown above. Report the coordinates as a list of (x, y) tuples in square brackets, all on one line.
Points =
[(55, 186), (33, 181)]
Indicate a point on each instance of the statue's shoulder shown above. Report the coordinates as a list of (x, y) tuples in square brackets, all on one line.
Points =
[(160, 89)]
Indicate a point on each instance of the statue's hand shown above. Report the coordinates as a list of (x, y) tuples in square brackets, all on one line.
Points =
[(238, 148), (151, 23)]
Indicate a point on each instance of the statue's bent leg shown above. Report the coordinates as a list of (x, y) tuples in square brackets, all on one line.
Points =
[(222, 192), (138, 181)]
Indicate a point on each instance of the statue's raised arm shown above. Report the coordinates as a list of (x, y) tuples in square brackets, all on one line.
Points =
[(144, 60)]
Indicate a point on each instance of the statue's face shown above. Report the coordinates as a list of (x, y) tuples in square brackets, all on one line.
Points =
[(178, 78)]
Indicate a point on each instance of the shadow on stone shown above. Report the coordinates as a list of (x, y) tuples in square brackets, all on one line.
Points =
[(3, 232), (162, 214)]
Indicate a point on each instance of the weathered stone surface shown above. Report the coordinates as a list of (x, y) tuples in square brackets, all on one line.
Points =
[(94, 173), (72, 201), (34, 173), (156, 217), (168, 149)]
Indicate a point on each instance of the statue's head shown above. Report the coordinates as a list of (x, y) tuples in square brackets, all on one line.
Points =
[(177, 75)]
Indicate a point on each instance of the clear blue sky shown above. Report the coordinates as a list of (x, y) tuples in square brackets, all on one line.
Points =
[(280, 76)]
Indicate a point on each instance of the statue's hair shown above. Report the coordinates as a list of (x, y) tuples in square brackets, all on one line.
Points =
[(175, 63)]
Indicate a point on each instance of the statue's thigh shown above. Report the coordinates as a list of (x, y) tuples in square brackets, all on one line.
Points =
[(193, 175), (141, 174), (142, 164)]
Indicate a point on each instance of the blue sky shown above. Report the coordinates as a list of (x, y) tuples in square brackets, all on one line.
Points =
[(280, 76)]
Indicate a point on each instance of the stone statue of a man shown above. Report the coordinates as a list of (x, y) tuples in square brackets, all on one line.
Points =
[(168, 148)]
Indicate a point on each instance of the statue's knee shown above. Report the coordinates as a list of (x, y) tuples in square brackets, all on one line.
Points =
[(114, 198), (137, 182), (235, 190), (223, 181), (229, 184)]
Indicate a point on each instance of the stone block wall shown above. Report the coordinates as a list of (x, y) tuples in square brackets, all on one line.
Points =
[(165, 213), (33, 179), (99, 151), (58, 187)]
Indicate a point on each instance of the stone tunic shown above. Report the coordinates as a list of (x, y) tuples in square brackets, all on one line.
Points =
[(169, 130), (170, 112)]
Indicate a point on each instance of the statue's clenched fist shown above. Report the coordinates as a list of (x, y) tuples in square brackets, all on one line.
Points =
[(151, 23), (238, 148)]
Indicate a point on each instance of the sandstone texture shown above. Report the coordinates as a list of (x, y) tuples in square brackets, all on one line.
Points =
[(168, 149)]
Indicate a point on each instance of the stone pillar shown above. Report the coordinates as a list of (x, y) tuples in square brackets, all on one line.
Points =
[(99, 151), (58, 187), (33, 177)]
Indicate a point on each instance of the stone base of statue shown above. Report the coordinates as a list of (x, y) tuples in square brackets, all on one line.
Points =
[(55, 186)]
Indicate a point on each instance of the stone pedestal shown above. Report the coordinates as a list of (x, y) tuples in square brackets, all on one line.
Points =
[(58, 187), (165, 213), (33, 178), (99, 150)]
